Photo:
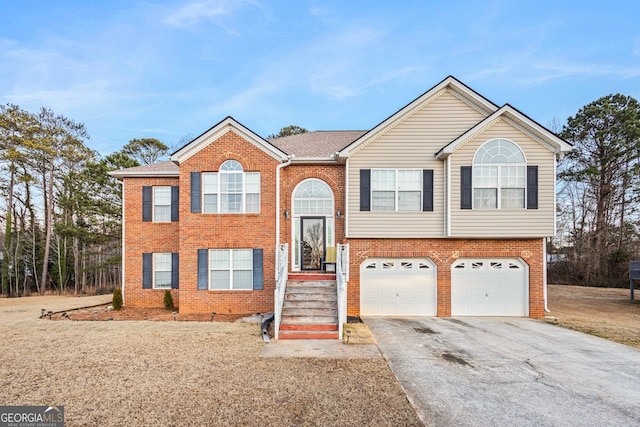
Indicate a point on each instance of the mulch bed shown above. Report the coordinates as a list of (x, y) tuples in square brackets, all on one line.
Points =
[(104, 313)]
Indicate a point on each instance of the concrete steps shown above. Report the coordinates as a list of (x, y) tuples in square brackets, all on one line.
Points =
[(310, 309)]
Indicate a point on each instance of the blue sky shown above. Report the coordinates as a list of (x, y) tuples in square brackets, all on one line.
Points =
[(172, 69)]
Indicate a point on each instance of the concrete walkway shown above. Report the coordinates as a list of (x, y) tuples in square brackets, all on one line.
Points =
[(333, 349), (510, 372)]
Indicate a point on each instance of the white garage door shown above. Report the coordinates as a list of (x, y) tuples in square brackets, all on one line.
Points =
[(489, 287), (398, 287)]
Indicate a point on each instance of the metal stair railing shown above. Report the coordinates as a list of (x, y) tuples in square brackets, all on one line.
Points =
[(342, 277), (282, 275)]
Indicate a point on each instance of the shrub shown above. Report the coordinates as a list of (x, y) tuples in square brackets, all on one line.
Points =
[(168, 300), (117, 299)]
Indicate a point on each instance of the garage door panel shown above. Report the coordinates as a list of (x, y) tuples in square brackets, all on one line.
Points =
[(489, 287), (398, 286)]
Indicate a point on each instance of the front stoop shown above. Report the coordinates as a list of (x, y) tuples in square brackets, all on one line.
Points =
[(310, 309)]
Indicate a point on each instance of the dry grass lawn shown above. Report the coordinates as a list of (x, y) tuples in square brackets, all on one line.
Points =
[(140, 373), (604, 312)]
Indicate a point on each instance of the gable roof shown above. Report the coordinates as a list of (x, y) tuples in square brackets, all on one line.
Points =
[(450, 83), (160, 169), (318, 145), (219, 129), (519, 121)]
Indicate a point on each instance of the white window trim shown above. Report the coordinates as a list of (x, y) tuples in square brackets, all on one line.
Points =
[(153, 203), (230, 270), (499, 187), (397, 190), (154, 270), (243, 194)]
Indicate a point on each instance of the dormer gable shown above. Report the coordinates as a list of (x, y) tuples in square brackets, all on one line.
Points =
[(229, 124), (517, 120)]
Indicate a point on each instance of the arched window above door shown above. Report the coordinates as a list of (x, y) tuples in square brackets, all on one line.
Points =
[(313, 197)]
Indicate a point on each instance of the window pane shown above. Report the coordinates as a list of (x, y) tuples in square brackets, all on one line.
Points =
[(242, 279), (231, 182), (162, 279), (242, 259), (409, 201), (511, 198), (253, 182), (210, 204), (231, 203), (231, 165), (382, 180), (512, 176), (209, 183), (219, 259), (383, 200), (410, 180), (253, 203), (162, 213), (485, 176), (220, 279), (485, 198)]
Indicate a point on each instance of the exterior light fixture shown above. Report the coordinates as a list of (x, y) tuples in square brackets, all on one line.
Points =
[(286, 213), (338, 214)]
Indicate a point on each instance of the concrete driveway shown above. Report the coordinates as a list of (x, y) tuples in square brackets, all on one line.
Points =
[(509, 372)]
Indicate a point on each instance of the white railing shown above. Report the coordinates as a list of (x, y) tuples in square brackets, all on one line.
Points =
[(282, 275), (342, 277)]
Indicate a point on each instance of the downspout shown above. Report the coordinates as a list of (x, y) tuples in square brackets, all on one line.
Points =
[(123, 243), (544, 274), (280, 166), (447, 201)]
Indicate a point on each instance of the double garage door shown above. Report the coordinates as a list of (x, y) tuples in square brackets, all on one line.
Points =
[(479, 287)]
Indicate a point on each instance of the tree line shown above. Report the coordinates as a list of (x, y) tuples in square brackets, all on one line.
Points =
[(61, 215), (598, 195)]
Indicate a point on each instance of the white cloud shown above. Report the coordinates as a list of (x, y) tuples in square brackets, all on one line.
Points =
[(192, 13)]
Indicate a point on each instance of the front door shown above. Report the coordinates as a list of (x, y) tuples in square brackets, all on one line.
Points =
[(312, 244)]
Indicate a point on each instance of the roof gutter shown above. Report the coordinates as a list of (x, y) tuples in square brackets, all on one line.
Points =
[(280, 166)]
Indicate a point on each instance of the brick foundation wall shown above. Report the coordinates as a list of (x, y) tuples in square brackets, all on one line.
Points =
[(444, 252)]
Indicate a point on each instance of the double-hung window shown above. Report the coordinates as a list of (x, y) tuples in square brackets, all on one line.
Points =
[(162, 204), (231, 190), (499, 180), (231, 269), (396, 189), (162, 270)]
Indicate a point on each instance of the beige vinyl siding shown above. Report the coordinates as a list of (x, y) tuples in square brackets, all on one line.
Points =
[(411, 144), (505, 223)]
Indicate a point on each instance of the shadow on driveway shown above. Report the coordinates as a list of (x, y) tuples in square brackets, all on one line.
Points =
[(509, 372)]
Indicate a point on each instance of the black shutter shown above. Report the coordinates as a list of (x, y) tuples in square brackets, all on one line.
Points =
[(146, 203), (365, 189), (175, 271), (175, 203), (203, 269), (147, 271), (258, 279), (196, 196), (466, 187), (427, 190), (532, 187)]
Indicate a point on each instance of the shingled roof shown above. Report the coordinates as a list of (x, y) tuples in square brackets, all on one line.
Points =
[(167, 168), (317, 144)]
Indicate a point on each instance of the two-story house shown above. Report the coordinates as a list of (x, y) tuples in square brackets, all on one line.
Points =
[(440, 210)]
